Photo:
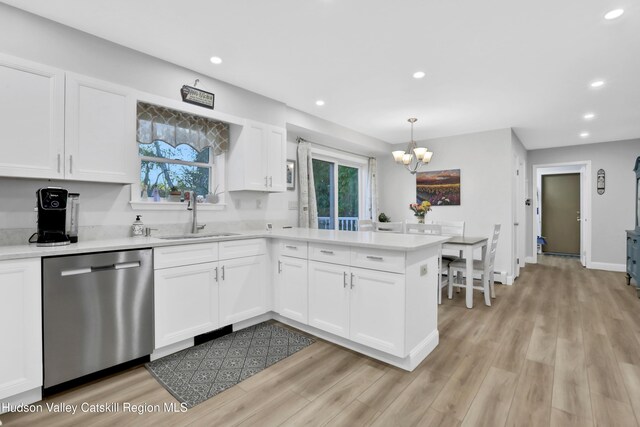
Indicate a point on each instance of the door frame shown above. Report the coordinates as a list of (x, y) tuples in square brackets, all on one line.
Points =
[(584, 169), (519, 234)]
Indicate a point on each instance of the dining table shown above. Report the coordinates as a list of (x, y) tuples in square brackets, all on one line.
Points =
[(467, 245)]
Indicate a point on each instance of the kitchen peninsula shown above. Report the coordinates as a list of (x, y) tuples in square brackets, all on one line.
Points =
[(375, 293)]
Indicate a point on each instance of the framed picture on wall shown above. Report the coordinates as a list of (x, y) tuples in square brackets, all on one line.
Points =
[(441, 188), (291, 174)]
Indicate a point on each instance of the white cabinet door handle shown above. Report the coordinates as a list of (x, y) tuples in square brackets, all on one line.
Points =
[(271, 181), (59, 157), (345, 279), (375, 258), (326, 252), (291, 247), (216, 274), (266, 181), (223, 272), (279, 266), (352, 284), (71, 163)]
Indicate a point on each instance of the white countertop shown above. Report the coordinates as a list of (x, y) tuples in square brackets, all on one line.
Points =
[(379, 240)]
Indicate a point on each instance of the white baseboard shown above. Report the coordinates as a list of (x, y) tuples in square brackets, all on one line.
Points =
[(530, 260), (25, 398), (408, 363), (171, 348), (253, 321), (608, 266)]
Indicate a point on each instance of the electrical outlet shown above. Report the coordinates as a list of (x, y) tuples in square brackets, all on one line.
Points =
[(423, 270)]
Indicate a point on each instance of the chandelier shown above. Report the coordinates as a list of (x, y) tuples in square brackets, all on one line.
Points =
[(415, 156)]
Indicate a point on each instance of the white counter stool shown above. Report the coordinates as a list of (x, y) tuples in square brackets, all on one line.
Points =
[(434, 230), (484, 268)]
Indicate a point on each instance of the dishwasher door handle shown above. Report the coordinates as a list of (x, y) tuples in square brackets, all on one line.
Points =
[(119, 266)]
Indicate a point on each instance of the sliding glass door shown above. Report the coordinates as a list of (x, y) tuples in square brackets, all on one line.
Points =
[(338, 194)]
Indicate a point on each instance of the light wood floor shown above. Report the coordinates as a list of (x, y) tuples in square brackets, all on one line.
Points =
[(561, 347)]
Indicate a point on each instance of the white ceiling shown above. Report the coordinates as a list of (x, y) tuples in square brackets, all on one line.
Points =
[(490, 64)]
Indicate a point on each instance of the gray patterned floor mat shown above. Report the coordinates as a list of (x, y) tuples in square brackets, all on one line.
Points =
[(198, 373)]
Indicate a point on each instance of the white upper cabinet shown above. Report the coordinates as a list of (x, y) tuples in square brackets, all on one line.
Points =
[(257, 159), (100, 131), (277, 158), (31, 119), (86, 132)]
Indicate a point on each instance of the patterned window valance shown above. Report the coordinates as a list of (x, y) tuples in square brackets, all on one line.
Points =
[(176, 127)]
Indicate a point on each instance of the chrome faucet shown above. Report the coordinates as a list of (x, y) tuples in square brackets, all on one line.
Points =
[(193, 206)]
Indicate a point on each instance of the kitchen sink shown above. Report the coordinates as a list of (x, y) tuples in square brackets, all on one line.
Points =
[(196, 236)]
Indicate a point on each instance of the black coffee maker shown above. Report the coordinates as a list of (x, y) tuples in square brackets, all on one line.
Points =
[(52, 211)]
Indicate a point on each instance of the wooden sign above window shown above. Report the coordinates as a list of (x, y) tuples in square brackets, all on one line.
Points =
[(197, 97)]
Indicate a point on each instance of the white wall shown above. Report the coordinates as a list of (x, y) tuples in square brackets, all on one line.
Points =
[(105, 208), (611, 213), (333, 135), (484, 160), (31, 37)]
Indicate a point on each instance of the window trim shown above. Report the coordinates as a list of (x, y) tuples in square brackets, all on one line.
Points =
[(340, 158)]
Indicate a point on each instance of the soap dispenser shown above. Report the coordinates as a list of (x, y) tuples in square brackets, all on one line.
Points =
[(137, 228)]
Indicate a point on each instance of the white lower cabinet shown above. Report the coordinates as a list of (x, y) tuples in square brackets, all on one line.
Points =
[(186, 302), (365, 306), (243, 291), (329, 297), (21, 334), (377, 309), (291, 288), (204, 286)]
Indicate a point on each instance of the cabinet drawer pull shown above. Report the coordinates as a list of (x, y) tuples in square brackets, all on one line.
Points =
[(271, 181), (375, 258), (216, 274), (223, 272), (266, 181), (345, 280), (326, 252), (59, 162), (71, 163), (279, 266), (291, 247), (352, 284)]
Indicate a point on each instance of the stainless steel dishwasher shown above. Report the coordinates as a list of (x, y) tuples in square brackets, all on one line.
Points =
[(97, 312)]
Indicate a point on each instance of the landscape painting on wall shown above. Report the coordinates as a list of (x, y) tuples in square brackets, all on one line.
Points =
[(440, 188)]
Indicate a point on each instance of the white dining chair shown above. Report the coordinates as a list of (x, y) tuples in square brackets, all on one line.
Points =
[(365, 225), (451, 229), (433, 230), (423, 228), (484, 267), (390, 227)]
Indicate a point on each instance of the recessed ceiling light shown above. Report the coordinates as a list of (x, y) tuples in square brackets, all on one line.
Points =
[(216, 60), (319, 102), (597, 83), (419, 74), (589, 116), (584, 134), (613, 14)]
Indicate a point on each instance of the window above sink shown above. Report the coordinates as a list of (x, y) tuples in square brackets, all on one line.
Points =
[(174, 153)]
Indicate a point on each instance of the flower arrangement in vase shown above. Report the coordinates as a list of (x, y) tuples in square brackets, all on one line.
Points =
[(420, 210)]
